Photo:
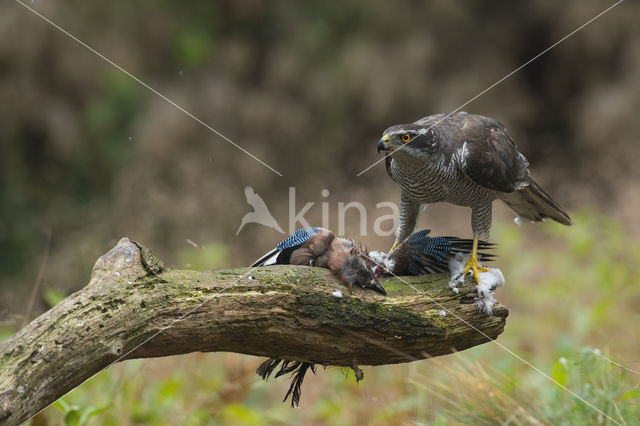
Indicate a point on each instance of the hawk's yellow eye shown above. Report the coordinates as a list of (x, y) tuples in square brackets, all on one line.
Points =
[(406, 137)]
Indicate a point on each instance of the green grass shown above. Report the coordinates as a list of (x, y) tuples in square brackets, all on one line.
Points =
[(568, 290)]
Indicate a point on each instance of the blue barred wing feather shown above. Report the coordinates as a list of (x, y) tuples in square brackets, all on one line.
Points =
[(281, 254), (421, 254)]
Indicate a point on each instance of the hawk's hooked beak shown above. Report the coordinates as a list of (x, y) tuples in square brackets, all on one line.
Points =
[(384, 144)]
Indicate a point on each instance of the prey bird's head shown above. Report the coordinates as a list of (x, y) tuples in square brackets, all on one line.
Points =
[(359, 269), (410, 139)]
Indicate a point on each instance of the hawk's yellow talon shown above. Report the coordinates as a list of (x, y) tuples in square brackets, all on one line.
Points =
[(472, 263)]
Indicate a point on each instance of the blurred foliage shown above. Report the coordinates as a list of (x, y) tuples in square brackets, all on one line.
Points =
[(6, 331), (595, 380), (52, 297), (209, 256), (74, 416), (589, 273), (192, 47)]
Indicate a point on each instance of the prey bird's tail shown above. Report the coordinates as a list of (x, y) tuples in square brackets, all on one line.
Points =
[(534, 204), (298, 368)]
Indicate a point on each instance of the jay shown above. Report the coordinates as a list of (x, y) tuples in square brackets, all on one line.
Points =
[(354, 265)]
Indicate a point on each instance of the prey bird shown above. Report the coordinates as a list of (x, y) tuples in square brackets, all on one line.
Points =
[(348, 261), (354, 265), (467, 160)]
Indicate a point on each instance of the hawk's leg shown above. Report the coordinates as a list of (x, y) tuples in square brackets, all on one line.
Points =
[(409, 210), (472, 263)]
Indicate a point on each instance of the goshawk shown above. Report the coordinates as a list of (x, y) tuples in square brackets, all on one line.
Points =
[(464, 159)]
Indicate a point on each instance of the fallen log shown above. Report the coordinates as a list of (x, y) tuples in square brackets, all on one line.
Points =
[(134, 307)]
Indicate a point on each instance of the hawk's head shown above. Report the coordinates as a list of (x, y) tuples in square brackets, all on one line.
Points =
[(412, 139)]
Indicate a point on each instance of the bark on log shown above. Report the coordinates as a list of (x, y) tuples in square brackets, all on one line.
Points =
[(278, 312)]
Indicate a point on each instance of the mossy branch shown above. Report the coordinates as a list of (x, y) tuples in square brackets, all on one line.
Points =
[(135, 308)]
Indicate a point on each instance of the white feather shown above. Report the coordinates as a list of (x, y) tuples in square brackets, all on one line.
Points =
[(521, 220), (489, 282), (381, 258), (272, 259)]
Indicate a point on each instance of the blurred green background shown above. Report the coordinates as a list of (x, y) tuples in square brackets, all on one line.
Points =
[(88, 156)]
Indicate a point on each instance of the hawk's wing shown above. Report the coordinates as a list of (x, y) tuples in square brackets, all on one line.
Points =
[(485, 152)]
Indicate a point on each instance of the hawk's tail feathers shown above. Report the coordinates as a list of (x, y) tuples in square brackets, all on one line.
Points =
[(534, 204)]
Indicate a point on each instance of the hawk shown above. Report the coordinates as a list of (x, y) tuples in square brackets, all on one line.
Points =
[(467, 160)]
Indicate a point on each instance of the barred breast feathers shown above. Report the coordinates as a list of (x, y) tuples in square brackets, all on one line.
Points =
[(440, 180)]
